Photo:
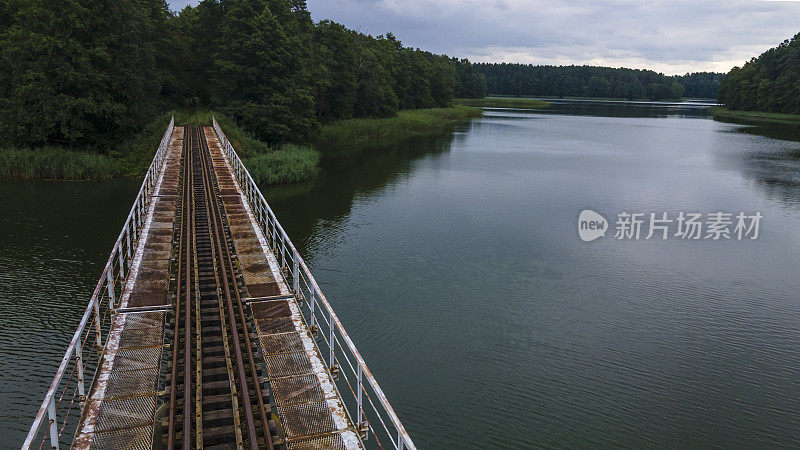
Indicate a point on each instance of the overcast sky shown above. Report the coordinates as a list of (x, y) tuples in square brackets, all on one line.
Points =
[(673, 37)]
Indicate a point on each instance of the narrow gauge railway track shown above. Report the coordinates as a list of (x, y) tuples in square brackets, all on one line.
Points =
[(216, 397)]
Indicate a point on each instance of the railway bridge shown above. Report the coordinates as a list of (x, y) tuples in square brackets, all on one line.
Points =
[(207, 329)]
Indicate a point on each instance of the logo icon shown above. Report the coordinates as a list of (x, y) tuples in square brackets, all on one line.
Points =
[(591, 225)]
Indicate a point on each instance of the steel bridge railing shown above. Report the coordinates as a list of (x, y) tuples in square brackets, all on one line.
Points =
[(373, 413), (85, 352)]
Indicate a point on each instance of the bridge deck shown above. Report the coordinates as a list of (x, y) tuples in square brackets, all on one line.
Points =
[(127, 401)]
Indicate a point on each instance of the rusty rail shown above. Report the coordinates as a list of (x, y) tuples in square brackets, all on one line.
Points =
[(65, 387), (373, 412), (226, 272)]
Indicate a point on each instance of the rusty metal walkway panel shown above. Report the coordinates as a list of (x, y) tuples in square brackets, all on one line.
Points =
[(121, 346), (310, 411), (300, 335), (121, 406), (117, 345)]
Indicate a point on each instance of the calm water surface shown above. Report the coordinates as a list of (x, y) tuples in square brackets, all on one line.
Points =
[(55, 238), (455, 264)]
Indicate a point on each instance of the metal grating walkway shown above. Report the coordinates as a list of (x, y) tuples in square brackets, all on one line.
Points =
[(309, 408), (122, 401), (122, 404), (202, 257)]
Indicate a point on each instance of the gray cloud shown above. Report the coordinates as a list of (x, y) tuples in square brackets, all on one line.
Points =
[(673, 36)]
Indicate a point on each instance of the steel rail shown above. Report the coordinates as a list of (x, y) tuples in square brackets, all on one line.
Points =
[(198, 328), (132, 223), (207, 232), (242, 316), (187, 319), (173, 394), (299, 269), (216, 224)]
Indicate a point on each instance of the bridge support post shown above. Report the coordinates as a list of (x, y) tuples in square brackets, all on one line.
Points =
[(135, 218), (150, 180), (359, 421), (142, 209), (274, 238), (330, 324), (110, 286), (51, 415), (296, 273), (121, 263), (128, 237), (264, 216), (311, 306), (98, 333), (79, 363)]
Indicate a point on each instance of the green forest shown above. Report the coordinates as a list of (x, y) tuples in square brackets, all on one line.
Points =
[(768, 83), (95, 79), (88, 75), (592, 81)]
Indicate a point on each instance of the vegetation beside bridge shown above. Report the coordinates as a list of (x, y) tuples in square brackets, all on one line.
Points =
[(88, 79)]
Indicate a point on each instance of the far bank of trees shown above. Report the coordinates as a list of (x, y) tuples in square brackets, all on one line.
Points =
[(701, 84), (592, 81), (78, 73), (769, 82)]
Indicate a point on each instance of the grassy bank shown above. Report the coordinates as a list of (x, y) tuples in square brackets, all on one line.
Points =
[(507, 102), (380, 132), (268, 165), (754, 116), (53, 163), (288, 164), (133, 156)]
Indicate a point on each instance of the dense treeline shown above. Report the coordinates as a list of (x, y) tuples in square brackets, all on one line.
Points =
[(83, 73), (578, 81), (701, 84), (770, 82), (74, 72), (592, 81)]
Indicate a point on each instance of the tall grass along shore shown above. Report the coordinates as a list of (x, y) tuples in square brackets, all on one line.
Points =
[(53, 163), (380, 132), (283, 163), (286, 163), (268, 165), (506, 102), (754, 116)]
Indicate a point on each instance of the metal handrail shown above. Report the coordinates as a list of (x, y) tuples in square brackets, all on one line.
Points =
[(280, 244), (114, 273)]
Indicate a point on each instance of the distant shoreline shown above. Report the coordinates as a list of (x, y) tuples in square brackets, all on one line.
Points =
[(504, 102), (685, 100)]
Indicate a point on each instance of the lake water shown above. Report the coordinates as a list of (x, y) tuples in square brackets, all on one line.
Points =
[(456, 266), (55, 238)]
